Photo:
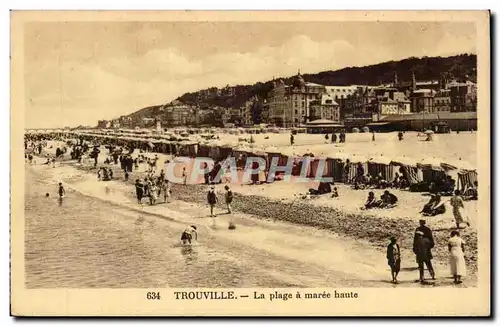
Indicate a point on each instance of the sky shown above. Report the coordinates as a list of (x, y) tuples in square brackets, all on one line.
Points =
[(79, 72)]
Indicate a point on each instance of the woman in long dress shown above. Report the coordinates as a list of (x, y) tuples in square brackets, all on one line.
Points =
[(457, 260), (153, 194), (457, 204)]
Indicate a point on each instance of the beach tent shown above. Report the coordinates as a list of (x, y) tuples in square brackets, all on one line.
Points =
[(463, 172), (407, 168), (466, 179), (355, 160), (382, 165), (432, 170)]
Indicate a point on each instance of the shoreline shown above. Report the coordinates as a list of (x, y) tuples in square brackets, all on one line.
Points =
[(358, 226)]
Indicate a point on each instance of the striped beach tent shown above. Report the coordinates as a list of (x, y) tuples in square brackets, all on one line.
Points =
[(466, 179), (381, 165), (353, 168), (432, 170), (407, 168)]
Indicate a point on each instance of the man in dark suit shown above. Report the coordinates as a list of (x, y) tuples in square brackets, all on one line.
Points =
[(423, 242)]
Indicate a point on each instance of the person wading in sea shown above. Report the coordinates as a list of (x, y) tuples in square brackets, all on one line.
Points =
[(187, 235), (62, 192)]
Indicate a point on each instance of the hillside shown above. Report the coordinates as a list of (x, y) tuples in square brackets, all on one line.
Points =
[(425, 68)]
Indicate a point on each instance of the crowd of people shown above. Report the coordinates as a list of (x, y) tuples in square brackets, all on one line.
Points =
[(154, 186)]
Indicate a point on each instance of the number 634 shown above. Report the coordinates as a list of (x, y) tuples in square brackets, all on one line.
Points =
[(153, 296)]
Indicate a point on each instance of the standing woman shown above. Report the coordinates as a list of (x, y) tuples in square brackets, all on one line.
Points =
[(153, 193), (457, 260), (457, 204)]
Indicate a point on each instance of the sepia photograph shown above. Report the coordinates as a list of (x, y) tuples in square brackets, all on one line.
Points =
[(237, 157)]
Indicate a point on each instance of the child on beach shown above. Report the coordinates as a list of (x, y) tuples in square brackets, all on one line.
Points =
[(62, 192), (166, 190), (335, 193), (229, 198), (394, 258)]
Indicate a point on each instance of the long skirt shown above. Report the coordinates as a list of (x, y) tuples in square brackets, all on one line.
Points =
[(457, 262), (458, 215)]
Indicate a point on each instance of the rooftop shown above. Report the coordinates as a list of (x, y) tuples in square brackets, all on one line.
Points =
[(432, 116)]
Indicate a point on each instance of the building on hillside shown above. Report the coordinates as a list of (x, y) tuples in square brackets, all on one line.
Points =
[(258, 111), (177, 113), (227, 91), (226, 115), (422, 100), (209, 93), (246, 111), (364, 101), (103, 124), (289, 104), (115, 124), (148, 122), (324, 108), (442, 96), (264, 112), (126, 122), (392, 102), (203, 95), (442, 101), (463, 96), (345, 97), (413, 85)]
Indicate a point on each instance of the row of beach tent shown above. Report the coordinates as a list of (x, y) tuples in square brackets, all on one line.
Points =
[(414, 170)]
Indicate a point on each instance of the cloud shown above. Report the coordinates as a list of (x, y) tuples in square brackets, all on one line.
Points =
[(110, 87)]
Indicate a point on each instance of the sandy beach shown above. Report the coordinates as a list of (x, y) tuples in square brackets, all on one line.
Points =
[(445, 147), (279, 203)]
